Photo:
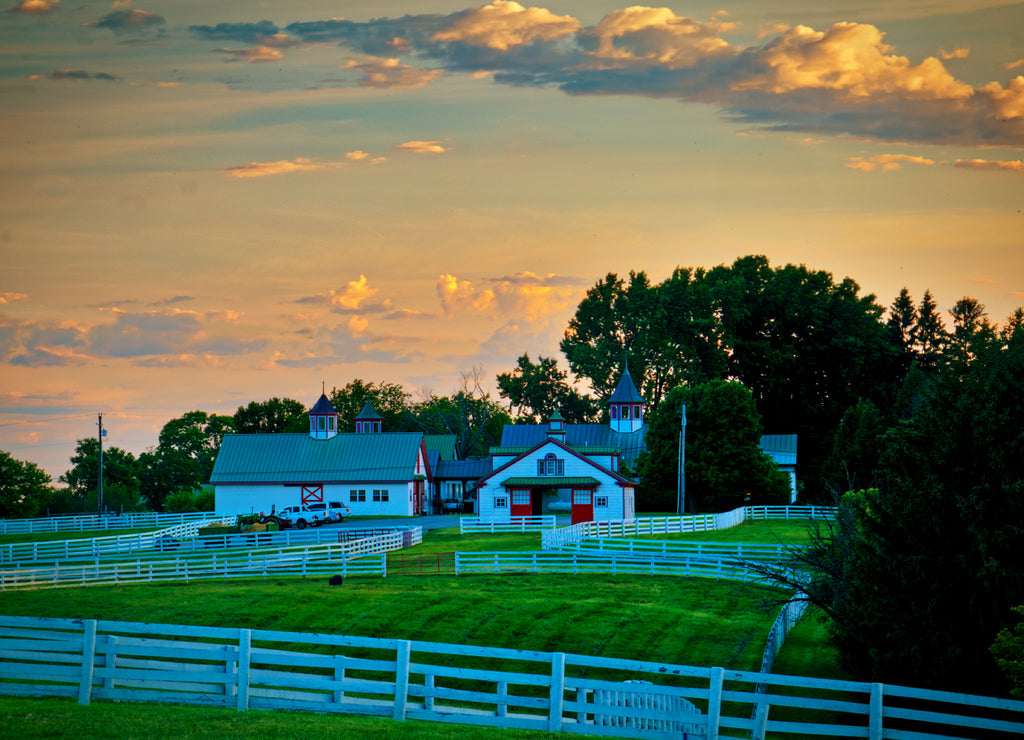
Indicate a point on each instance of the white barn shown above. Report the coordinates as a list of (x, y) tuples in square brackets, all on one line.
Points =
[(372, 472)]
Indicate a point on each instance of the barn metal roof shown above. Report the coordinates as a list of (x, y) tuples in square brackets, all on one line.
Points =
[(625, 391), (323, 406), (443, 443), (463, 469), (551, 481), (297, 458), (780, 447), (581, 437)]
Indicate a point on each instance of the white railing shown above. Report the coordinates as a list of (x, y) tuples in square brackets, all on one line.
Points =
[(95, 521), (608, 563), (245, 669), (310, 560), (677, 549), (570, 537), (515, 524), (182, 538)]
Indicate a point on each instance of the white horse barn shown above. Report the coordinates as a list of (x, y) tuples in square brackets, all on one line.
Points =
[(372, 472)]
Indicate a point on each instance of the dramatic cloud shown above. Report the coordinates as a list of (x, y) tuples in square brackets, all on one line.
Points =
[(988, 164), (524, 295), (422, 147), (252, 54), (392, 74), (657, 36), (280, 167), (354, 294), (35, 7), (851, 60), (503, 25), (886, 162), (129, 21)]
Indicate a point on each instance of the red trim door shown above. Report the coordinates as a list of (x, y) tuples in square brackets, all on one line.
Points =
[(582, 505), (521, 504), (312, 495)]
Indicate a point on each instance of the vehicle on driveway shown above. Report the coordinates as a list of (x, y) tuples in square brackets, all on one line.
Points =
[(333, 511), (300, 517)]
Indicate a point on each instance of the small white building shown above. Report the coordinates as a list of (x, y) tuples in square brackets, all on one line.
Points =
[(373, 472)]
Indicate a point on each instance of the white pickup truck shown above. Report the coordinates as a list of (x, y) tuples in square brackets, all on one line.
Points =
[(300, 517)]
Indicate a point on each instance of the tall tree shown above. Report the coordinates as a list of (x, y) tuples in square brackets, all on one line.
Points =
[(725, 466), (972, 332), (282, 415), (920, 575), (121, 487), (184, 456), (24, 488), (930, 336), (468, 414), (612, 318), (535, 391), (390, 400)]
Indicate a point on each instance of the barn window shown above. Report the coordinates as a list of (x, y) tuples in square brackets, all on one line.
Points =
[(600, 501), (625, 412), (321, 423), (500, 502), (550, 465), (355, 495), (520, 497), (330, 423)]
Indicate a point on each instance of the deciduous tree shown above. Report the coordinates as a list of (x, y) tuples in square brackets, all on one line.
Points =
[(283, 415), (24, 488)]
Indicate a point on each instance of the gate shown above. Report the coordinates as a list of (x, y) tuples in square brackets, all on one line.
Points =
[(643, 706), (425, 564)]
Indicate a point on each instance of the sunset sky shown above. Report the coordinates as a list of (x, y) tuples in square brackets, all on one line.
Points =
[(208, 203)]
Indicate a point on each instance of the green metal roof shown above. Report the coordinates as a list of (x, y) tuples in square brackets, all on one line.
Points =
[(551, 481), (581, 450), (297, 458), (443, 443)]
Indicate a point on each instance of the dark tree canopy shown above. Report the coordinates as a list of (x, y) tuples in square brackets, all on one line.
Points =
[(535, 391), (390, 400), (24, 488), (121, 488), (184, 457), (273, 415), (725, 466)]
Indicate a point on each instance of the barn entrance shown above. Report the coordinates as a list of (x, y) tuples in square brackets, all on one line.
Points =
[(582, 505)]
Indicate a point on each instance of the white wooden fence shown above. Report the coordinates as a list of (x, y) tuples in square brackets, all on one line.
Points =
[(95, 521), (366, 556), (182, 538), (555, 692), (515, 524)]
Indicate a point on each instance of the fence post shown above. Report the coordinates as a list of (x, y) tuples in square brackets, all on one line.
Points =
[(244, 666), (557, 692), (715, 702), (875, 713), (403, 653), (88, 661)]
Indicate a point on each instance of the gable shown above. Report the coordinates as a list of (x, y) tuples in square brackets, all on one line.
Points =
[(525, 464)]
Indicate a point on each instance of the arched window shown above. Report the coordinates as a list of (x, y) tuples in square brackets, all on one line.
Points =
[(550, 465)]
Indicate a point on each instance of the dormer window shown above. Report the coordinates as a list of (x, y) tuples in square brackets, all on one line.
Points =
[(550, 465), (615, 412), (625, 412)]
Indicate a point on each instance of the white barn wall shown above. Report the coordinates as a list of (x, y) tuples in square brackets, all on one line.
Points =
[(254, 498)]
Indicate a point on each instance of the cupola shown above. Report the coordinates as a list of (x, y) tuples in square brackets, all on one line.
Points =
[(368, 421), (556, 426), (626, 406), (323, 419)]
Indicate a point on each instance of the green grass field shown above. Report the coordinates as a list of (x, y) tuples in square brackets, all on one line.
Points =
[(688, 621)]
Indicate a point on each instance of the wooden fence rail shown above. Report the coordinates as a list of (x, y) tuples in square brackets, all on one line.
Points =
[(95, 521), (182, 538), (89, 660), (366, 556), (515, 524)]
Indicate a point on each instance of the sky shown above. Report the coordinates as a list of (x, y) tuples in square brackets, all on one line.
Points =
[(204, 204)]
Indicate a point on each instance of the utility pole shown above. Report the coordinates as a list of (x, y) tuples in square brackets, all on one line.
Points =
[(681, 486), (99, 497)]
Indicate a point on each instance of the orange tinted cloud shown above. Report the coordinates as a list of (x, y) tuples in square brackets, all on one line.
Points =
[(280, 167), (422, 147), (253, 54), (1016, 165), (658, 35), (502, 25), (886, 162), (392, 74), (353, 294), (852, 59), (35, 7)]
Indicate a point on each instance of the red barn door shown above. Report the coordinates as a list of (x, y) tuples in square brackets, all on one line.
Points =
[(582, 506), (521, 504)]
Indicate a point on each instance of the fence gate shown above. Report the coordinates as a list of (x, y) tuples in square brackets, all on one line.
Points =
[(426, 564), (642, 706)]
